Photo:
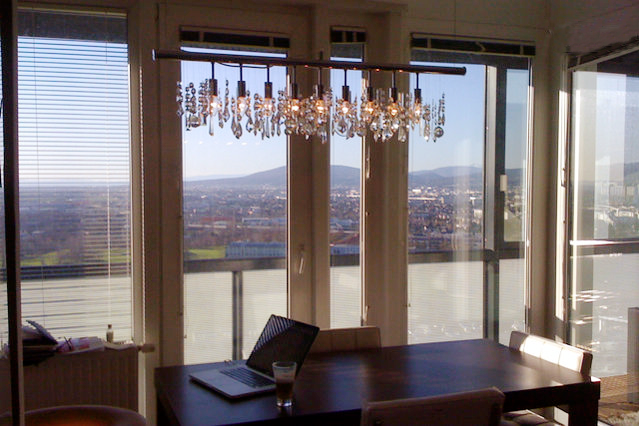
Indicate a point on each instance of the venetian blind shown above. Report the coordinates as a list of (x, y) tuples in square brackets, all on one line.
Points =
[(75, 202)]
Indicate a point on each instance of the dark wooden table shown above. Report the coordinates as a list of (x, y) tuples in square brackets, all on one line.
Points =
[(331, 387)]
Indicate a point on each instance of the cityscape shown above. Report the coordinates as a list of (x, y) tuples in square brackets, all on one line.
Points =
[(246, 216)]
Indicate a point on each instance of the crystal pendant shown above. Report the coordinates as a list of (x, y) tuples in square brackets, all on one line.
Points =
[(402, 134), (203, 102), (249, 125), (236, 128), (226, 114), (179, 98)]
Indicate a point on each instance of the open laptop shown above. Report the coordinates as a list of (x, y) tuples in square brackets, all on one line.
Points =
[(282, 339)]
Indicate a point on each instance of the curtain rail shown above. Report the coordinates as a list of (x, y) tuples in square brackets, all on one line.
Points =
[(207, 57)]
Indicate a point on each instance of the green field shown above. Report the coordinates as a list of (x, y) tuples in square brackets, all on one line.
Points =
[(217, 252), (117, 256)]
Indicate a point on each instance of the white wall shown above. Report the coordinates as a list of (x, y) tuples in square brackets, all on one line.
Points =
[(583, 26)]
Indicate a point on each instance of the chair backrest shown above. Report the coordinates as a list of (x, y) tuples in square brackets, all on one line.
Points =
[(558, 353), (85, 415), (481, 408), (346, 339)]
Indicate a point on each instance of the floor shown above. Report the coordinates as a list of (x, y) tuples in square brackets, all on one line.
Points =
[(619, 403)]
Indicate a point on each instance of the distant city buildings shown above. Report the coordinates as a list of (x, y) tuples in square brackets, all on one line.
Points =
[(59, 226)]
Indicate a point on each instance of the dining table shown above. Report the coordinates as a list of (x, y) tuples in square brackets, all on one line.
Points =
[(331, 387)]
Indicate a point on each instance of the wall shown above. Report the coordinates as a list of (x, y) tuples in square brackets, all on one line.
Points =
[(582, 26)]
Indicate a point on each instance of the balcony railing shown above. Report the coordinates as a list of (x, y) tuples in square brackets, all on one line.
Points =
[(237, 268)]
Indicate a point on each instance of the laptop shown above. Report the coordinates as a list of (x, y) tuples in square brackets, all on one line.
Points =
[(282, 339)]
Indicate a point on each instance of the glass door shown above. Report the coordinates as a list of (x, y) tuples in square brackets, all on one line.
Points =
[(467, 198), (603, 296)]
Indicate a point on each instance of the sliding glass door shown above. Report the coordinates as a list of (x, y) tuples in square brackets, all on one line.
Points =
[(603, 296), (467, 201)]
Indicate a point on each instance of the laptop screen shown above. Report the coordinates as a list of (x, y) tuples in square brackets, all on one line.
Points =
[(282, 339)]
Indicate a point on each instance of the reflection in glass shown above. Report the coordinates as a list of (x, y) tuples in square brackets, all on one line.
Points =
[(517, 82)]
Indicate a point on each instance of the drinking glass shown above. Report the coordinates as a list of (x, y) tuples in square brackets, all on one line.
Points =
[(284, 373)]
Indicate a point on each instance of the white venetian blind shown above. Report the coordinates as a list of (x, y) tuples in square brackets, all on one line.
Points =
[(74, 141)]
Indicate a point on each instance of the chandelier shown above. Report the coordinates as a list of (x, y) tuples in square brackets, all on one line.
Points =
[(383, 113)]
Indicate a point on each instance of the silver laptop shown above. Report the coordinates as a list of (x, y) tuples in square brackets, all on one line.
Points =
[(282, 339)]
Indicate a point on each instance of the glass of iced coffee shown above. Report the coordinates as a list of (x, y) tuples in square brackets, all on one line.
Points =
[(284, 374)]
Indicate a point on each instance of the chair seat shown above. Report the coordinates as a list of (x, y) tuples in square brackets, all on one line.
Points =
[(526, 418)]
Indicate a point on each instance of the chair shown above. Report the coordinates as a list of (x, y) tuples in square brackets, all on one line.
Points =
[(85, 415), (480, 408), (346, 339), (551, 351)]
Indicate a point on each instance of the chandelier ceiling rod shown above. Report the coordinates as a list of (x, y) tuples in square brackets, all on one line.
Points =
[(252, 60)]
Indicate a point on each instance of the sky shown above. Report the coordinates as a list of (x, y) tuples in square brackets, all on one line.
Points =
[(461, 145)]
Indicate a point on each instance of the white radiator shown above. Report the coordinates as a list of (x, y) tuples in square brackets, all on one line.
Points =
[(108, 377)]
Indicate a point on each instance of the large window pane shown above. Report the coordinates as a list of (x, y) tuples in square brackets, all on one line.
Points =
[(448, 304), (75, 198), (445, 203), (605, 155), (346, 163), (512, 271), (512, 297), (604, 233), (517, 85), (235, 201)]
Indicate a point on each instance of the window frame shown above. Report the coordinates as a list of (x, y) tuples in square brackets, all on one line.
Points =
[(496, 248)]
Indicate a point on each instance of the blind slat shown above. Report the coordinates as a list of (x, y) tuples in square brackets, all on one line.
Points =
[(74, 159)]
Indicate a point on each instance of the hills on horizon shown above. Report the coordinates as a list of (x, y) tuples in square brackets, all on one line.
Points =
[(345, 176)]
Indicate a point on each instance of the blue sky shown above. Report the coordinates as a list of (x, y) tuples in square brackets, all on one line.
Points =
[(462, 144)]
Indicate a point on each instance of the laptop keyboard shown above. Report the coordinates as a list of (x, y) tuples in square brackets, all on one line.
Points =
[(247, 377)]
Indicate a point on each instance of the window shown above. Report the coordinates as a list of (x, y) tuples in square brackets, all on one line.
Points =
[(467, 200), (603, 205), (235, 223), (75, 198), (345, 200)]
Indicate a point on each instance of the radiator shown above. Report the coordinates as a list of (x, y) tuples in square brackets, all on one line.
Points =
[(108, 377)]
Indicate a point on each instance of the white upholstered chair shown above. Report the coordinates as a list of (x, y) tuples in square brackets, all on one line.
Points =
[(346, 339), (551, 351), (479, 408)]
